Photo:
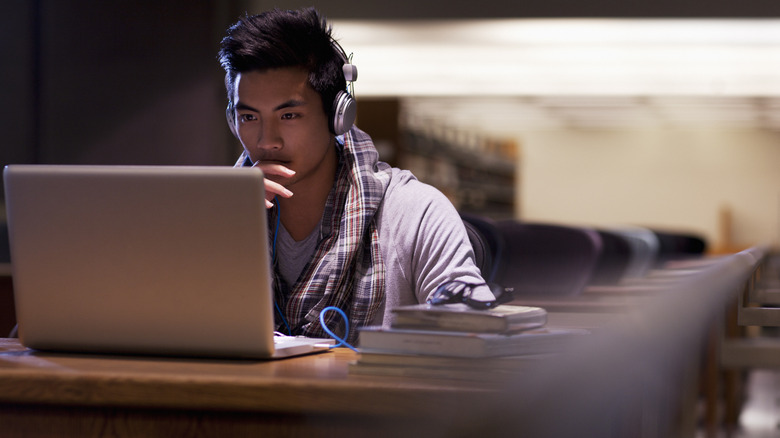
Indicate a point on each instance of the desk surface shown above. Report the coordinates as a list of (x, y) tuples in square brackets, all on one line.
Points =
[(84, 395), (318, 383)]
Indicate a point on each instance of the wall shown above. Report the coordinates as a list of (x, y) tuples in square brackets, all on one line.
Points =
[(120, 82), (675, 179), (16, 82)]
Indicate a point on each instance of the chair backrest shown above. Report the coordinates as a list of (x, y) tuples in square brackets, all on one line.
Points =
[(487, 242), (546, 259), (644, 249), (613, 262), (481, 252), (678, 245)]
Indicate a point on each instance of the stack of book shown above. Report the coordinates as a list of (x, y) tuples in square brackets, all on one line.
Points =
[(455, 341)]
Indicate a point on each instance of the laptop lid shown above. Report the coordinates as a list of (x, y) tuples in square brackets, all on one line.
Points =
[(142, 260)]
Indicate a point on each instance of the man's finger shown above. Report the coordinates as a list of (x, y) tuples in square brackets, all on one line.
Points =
[(274, 169), (276, 188)]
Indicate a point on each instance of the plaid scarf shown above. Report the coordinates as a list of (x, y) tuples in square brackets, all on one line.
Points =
[(347, 270)]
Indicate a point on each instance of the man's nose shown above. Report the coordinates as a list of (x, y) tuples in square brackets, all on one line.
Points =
[(269, 136)]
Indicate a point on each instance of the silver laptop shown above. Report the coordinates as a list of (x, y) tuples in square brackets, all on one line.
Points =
[(155, 260)]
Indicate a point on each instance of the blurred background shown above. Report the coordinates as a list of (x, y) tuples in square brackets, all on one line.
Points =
[(661, 114)]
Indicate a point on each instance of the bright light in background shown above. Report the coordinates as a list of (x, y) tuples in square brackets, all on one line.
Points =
[(498, 76), (565, 56)]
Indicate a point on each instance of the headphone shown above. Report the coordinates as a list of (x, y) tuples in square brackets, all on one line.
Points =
[(344, 109)]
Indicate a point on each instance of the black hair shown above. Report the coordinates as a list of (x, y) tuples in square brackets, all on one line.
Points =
[(279, 38)]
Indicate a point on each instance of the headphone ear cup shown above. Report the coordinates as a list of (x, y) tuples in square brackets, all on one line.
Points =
[(231, 120), (343, 113)]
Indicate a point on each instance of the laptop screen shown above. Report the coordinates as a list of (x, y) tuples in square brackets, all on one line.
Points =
[(141, 259)]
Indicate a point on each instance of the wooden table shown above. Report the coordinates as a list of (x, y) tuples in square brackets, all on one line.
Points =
[(45, 394)]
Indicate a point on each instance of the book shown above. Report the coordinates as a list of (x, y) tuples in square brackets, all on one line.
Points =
[(494, 369), (505, 363), (375, 339), (469, 374), (461, 317)]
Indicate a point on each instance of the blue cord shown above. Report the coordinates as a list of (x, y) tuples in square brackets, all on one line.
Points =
[(273, 260), (284, 320), (342, 341), (276, 229)]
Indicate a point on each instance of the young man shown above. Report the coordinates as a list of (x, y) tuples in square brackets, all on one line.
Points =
[(347, 230)]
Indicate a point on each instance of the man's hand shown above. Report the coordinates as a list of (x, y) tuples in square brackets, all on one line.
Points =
[(273, 188)]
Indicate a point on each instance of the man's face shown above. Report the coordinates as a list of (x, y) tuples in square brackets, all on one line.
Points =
[(280, 121)]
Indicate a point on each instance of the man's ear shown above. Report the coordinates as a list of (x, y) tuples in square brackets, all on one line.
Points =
[(231, 120)]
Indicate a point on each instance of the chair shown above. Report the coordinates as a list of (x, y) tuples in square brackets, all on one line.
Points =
[(677, 245), (487, 242), (644, 247), (613, 262), (637, 377), (740, 349), (546, 260)]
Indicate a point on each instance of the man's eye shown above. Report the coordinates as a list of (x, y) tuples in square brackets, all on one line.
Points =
[(246, 117), (289, 116)]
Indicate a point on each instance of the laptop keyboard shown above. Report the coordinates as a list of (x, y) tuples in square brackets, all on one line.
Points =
[(284, 340)]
